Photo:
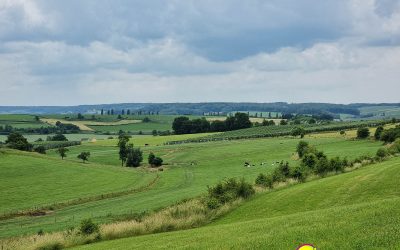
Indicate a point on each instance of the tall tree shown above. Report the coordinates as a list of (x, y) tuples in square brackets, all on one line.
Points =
[(123, 139), (62, 152)]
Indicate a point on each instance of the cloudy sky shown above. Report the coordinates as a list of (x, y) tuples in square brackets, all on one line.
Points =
[(111, 51)]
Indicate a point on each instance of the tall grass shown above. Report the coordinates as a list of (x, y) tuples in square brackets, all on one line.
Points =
[(187, 214)]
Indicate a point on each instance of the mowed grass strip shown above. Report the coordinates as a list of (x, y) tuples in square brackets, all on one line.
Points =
[(356, 210)]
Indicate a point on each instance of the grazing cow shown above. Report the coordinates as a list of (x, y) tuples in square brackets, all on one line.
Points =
[(146, 144)]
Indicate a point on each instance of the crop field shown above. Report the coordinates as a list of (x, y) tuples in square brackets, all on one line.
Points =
[(189, 169), (273, 131), (21, 121), (70, 137), (84, 125), (356, 210)]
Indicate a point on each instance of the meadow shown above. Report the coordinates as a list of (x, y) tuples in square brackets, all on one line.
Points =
[(188, 170), (355, 210)]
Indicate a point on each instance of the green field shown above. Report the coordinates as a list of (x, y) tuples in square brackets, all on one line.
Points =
[(181, 179), (275, 131), (356, 210), (21, 121)]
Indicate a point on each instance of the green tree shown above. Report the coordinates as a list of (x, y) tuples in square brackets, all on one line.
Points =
[(40, 149), (17, 141), (302, 148), (80, 116), (378, 133), (134, 156), (298, 131), (362, 133), (151, 158), (283, 122), (84, 156), (123, 140), (59, 137), (62, 151)]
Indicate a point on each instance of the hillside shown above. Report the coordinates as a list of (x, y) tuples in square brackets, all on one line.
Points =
[(356, 210)]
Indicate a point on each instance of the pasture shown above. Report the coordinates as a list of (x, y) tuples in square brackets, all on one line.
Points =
[(189, 169), (355, 210)]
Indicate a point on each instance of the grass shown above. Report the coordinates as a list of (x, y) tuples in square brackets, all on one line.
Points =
[(355, 210), (191, 168), (70, 137), (21, 121), (30, 180)]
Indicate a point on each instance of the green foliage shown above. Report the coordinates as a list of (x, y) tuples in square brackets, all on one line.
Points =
[(88, 227), (123, 140), (382, 152), (302, 148), (40, 149), (183, 125), (84, 156), (62, 152), (264, 180), (17, 141), (378, 133), (134, 156), (298, 131), (230, 190), (58, 137), (390, 135), (283, 122), (51, 246), (154, 161), (362, 133), (299, 172), (275, 131)]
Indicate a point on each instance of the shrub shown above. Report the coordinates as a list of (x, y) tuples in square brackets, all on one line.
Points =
[(154, 161), (230, 189), (310, 160), (337, 165), (88, 227), (134, 156), (382, 152), (301, 149), (299, 173), (265, 180), (51, 246), (362, 133), (322, 167), (157, 161), (284, 169), (378, 133), (40, 149), (213, 203)]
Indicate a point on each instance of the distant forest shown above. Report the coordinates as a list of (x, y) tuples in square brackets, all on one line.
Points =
[(199, 108)]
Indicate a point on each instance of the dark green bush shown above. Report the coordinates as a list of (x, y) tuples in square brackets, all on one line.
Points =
[(88, 227), (230, 190), (382, 152), (265, 180)]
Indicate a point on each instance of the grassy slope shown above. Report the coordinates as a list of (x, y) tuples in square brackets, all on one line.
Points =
[(215, 161), (356, 210)]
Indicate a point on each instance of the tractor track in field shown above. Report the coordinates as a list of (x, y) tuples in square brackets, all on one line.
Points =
[(49, 209)]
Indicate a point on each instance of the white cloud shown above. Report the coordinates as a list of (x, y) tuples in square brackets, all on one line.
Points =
[(123, 51)]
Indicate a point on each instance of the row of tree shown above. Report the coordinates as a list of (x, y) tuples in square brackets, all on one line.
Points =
[(183, 125), (127, 112)]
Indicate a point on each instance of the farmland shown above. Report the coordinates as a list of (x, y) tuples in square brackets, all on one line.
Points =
[(331, 217), (274, 131), (180, 180), (50, 194)]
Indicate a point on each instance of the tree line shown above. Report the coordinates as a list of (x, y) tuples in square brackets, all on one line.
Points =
[(183, 125)]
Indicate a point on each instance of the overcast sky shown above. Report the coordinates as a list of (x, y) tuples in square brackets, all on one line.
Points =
[(112, 51)]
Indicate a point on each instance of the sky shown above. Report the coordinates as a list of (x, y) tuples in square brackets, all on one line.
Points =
[(117, 51)]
